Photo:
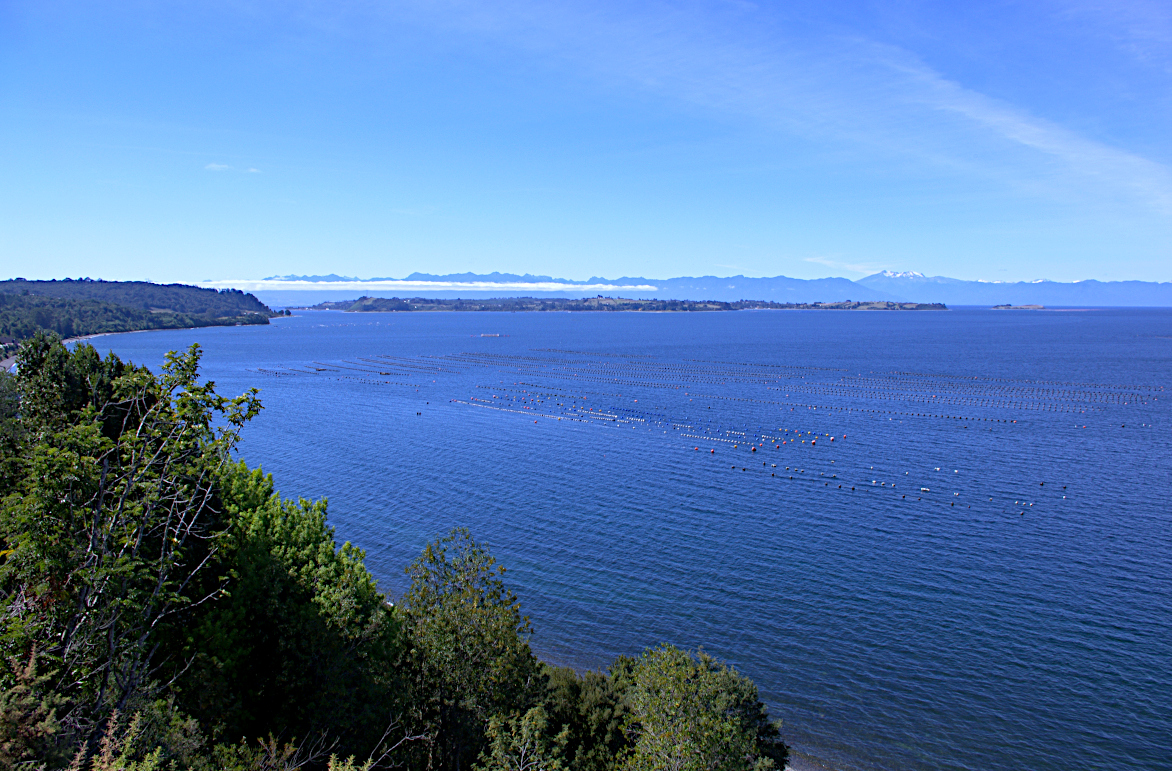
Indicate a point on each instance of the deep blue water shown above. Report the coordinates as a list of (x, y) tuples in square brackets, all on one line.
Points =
[(1017, 614)]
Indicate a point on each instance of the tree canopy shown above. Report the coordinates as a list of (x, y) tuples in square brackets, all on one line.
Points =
[(693, 713), (22, 316), (162, 607), (175, 298)]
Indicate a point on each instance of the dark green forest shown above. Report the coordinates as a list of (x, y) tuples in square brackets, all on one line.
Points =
[(21, 316), (164, 608), (176, 298), (83, 307)]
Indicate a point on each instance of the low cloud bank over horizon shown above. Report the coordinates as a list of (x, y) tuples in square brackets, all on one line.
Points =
[(887, 285)]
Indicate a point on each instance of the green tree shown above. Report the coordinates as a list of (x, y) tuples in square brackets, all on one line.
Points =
[(694, 713), (161, 607), (591, 711), (469, 648), (28, 717), (11, 433), (143, 562), (523, 744), (302, 641), (108, 532)]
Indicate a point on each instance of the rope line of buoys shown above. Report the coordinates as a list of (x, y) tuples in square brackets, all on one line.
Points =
[(660, 396)]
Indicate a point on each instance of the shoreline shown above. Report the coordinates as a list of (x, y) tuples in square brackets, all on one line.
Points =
[(368, 304), (800, 761), (8, 364)]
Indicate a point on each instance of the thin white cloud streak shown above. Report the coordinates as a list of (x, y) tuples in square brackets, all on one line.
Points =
[(217, 167), (1141, 28), (733, 62), (271, 285), (1147, 180)]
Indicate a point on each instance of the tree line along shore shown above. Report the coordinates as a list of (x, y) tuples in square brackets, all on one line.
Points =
[(80, 307), (599, 303), (162, 608)]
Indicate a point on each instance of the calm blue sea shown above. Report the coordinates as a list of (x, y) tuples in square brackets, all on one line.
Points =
[(976, 573)]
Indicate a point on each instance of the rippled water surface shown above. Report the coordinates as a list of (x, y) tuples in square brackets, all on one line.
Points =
[(974, 574)]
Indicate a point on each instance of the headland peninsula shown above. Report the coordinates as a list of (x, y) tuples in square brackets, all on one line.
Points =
[(82, 307)]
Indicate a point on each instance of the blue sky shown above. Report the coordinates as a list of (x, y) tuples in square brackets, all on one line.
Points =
[(206, 140)]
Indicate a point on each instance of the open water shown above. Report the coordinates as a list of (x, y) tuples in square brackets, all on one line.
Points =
[(975, 573)]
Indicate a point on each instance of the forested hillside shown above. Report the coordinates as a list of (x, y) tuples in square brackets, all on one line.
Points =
[(176, 298), (21, 316), (75, 308), (161, 607)]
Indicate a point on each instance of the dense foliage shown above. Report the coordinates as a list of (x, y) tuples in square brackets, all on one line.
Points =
[(176, 298), (22, 316), (161, 607)]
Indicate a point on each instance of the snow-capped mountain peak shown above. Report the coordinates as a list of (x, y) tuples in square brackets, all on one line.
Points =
[(905, 274)]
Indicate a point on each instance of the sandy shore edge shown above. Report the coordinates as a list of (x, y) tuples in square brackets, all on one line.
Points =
[(10, 362)]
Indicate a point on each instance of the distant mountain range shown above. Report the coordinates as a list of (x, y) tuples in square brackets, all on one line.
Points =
[(888, 285), (777, 289), (284, 291), (917, 287)]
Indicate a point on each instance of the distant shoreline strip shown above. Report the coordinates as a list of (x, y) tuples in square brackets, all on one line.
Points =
[(273, 285)]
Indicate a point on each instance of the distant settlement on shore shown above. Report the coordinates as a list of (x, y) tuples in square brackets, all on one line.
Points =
[(600, 303)]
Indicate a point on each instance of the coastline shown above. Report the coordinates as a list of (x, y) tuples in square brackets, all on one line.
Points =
[(600, 303), (95, 335), (10, 362), (799, 761)]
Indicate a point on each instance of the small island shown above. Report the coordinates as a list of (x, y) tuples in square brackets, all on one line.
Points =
[(1019, 307), (600, 303)]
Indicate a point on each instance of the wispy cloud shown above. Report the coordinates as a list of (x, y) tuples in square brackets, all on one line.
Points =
[(1141, 28), (217, 167), (742, 64), (254, 171), (1102, 164)]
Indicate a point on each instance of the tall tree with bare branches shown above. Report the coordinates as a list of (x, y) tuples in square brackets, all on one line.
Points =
[(110, 531)]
